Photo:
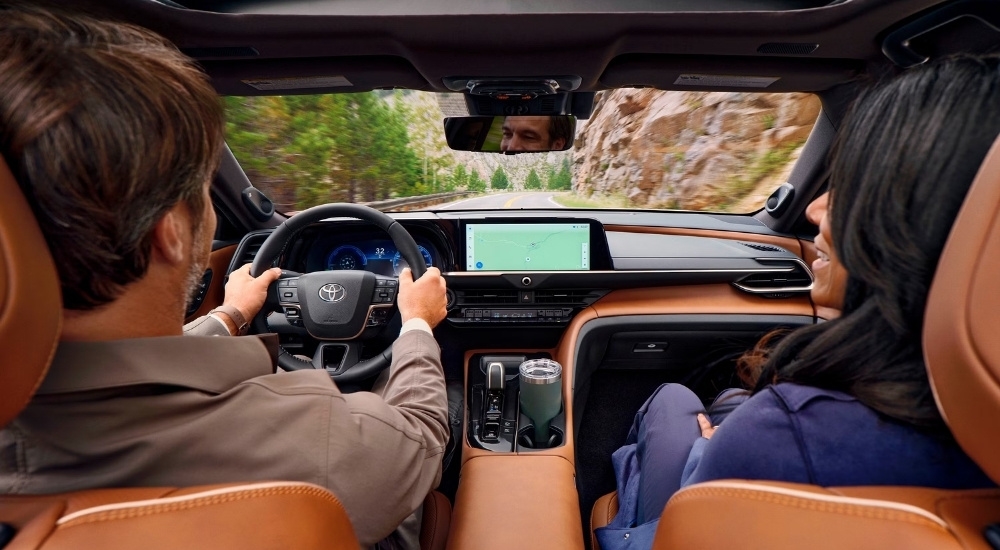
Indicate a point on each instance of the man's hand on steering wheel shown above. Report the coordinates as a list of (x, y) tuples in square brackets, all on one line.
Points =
[(424, 298), (340, 309), (246, 292)]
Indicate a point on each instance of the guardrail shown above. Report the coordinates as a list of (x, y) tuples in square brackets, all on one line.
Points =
[(403, 204)]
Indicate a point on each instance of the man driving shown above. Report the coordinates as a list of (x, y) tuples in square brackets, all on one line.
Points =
[(535, 133), (114, 137)]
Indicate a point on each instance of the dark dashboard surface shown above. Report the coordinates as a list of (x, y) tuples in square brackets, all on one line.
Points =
[(616, 255), (531, 307), (620, 258)]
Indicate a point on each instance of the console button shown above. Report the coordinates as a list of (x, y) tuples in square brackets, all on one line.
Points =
[(491, 431), (649, 347)]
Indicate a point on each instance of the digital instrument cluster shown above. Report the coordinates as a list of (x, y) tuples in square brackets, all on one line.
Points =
[(378, 256)]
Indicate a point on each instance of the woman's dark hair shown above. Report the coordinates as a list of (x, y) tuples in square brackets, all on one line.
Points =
[(899, 171)]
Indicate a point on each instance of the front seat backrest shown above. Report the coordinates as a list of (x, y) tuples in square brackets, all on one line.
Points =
[(238, 516), (30, 301), (961, 341)]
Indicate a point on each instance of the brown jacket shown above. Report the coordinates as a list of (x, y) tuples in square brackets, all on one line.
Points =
[(193, 410)]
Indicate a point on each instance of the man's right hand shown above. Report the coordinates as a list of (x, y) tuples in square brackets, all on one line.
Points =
[(424, 298), (248, 293)]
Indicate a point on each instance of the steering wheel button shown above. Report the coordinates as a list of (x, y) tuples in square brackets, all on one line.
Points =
[(391, 283)]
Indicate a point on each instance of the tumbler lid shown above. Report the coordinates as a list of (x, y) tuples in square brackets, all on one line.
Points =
[(540, 371)]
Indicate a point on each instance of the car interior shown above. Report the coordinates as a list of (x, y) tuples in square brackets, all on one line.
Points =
[(622, 298)]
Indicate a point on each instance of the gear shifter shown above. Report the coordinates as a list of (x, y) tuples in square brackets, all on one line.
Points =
[(493, 408)]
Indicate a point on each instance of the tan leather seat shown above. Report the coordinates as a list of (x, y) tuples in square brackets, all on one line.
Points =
[(244, 516), (962, 349)]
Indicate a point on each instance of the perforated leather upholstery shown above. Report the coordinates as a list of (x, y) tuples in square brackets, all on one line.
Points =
[(436, 522), (962, 349)]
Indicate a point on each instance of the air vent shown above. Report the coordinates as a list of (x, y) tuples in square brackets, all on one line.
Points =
[(572, 297), (787, 48), (789, 277), (486, 297), (248, 248), (548, 105), (763, 247)]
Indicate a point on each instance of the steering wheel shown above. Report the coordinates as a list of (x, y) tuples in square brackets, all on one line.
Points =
[(345, 307)]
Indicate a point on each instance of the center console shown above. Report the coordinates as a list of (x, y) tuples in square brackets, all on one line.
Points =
[(496, 422), (531, 277), (526, 273), (505, 468)]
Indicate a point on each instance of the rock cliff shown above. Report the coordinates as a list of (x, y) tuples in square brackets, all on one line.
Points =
[(690, 150)]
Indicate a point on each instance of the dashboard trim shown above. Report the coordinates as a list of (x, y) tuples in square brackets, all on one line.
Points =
[(625, 271), (792, 244)]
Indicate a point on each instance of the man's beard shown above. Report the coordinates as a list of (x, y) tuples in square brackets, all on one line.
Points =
[(197, 268)]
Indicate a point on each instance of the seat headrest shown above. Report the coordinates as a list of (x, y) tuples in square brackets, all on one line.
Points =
[(962, 323), (30, 301)]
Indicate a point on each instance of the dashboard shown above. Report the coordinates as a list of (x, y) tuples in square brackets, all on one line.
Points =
[(539, 270), (621, 276)]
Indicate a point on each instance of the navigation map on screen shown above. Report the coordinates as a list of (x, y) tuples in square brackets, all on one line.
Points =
[(527, 247)]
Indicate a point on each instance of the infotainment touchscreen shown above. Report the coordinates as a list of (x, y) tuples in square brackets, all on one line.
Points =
[(527, 246)]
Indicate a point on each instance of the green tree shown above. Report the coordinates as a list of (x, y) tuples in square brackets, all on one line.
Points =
[(550, 175), (308, 150), (533, 181), (476, 182), (499, 179), (563, 180), (459, 178)]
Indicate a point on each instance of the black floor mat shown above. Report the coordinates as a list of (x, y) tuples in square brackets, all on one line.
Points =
[(615, 396)]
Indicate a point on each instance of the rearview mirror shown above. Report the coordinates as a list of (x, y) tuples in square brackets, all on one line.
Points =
[(511, 134)]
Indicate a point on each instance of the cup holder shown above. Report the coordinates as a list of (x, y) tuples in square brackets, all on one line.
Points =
[(526, 440)]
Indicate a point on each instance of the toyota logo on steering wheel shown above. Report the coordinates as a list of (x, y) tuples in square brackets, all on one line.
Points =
[(332, 292)]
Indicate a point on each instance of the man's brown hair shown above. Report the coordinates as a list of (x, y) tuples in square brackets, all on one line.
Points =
[(106, 126)]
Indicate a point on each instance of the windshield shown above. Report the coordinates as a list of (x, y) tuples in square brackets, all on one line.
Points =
[(640, 149)]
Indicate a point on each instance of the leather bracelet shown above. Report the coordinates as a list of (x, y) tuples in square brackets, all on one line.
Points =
[(238, 319)]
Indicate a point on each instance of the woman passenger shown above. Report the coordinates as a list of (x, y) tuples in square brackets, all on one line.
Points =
[(845, 402)]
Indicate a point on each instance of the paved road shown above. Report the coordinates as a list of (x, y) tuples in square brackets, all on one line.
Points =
[(510, 201)]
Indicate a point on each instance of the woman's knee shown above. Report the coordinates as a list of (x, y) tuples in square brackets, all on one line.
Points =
[(672, 400)]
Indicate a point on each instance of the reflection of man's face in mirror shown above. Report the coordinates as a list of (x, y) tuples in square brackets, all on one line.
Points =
[(529, 133)]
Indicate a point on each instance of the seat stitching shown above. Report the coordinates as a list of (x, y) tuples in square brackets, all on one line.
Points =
[(593, 528), (803, 503), (197, 502)]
